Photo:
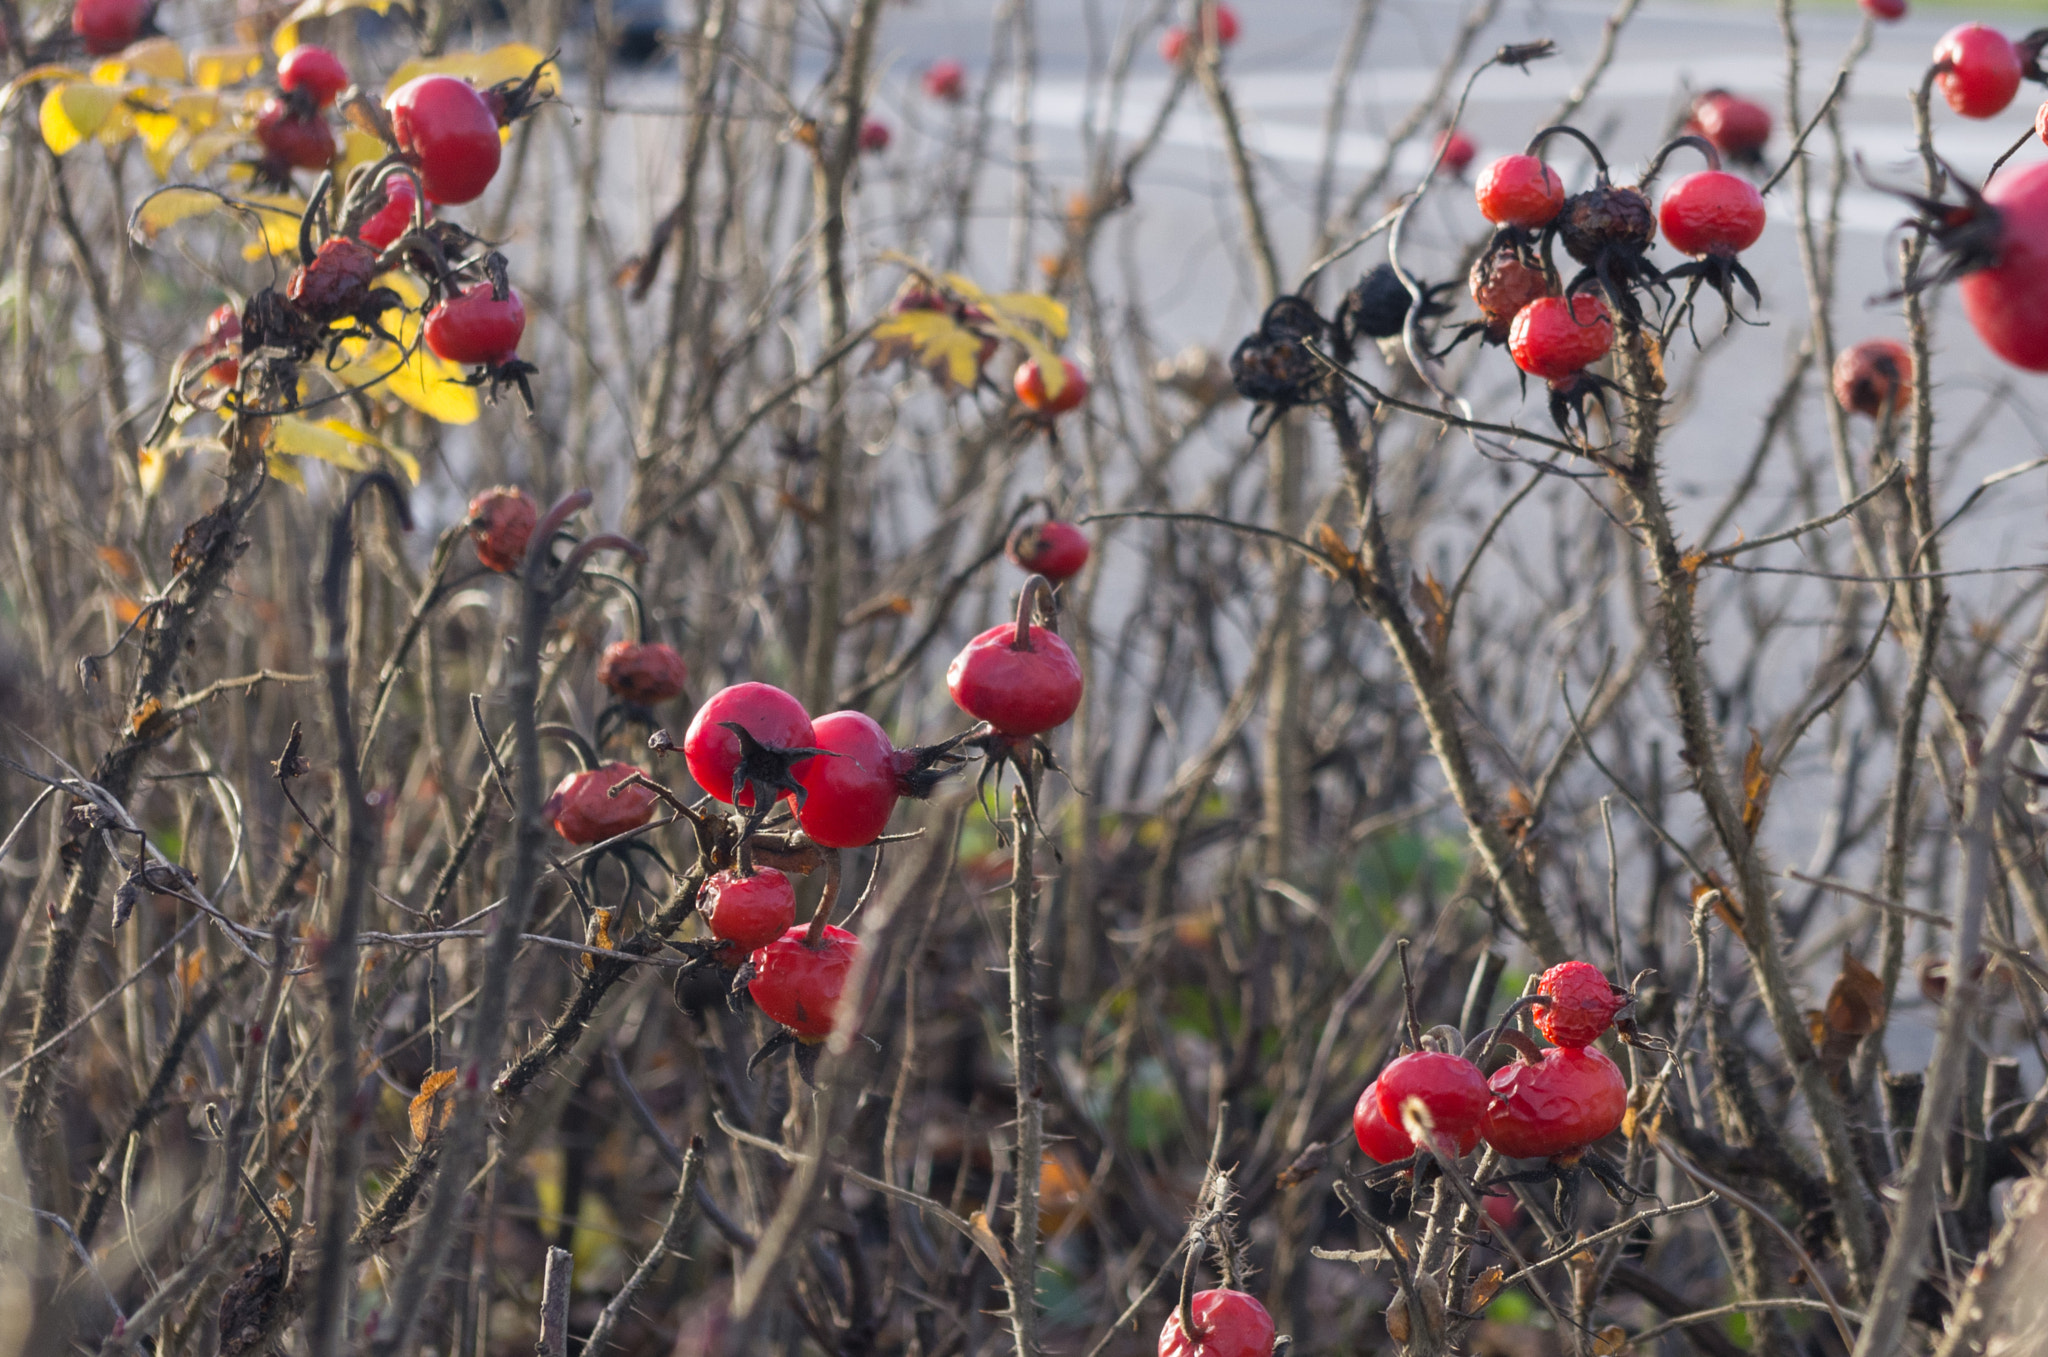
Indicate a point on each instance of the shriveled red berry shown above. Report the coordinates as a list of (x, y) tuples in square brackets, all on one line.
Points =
[(291, 137), (1712, 212), (447, 134), (1890, 11), (1552, 340), (501, 522), (874, 136), (799, 987), (1450, 1088), (1053, 549), (1227, 1324), (1606, 217), (848, 798), (945, 80), (1457, 150), (1981, 71), (1382, 1141), (476, 327), (582, 810), (1019, 692), (2007, 303), (645, 672), (771, 716), (1874, 377), (394, 219), (748, 912), (1030, 384), (1519, 190), (312, 71), (1504, 280), (1736, 127), (1556, 1105), (1580, 1004), (337, 281), (107, 26)]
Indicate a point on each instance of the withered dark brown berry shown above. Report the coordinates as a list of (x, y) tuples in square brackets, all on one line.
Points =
[(336, 282), (1504, 280), (1274, 365), (1606, 217)]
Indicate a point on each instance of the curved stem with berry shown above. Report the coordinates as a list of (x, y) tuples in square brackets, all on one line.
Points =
[(1664, 152), (1035, 590), (1566, 130)]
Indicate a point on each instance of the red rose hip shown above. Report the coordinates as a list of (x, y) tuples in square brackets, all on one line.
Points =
[(107, 26), (394, 218), (291, 137), (1712, 213), (2007, 303), (799, 987), (1227, 1324), (447, 134), (1020, 690), (1736, 127), (771, 716), (501, 522), (748, 912), (583, 811), (314, 72), (1457, 151), (1519, 190), (1450, 1088), (1382, 1141), (1889, 11), (1551, 340), (1556, 1105), (1874, 377), (848, 798), (476, 327), (1053, 549), (1578, 1004), (1030, 385), (945, 81), (645, 672), (1982, 70)]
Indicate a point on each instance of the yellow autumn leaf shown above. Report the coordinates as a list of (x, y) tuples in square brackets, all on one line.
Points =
[(150, 466), (364, 438), (156, 129), (357, 149), (512, 61), (36, 75), (286, 472), (120, 126), (279, 215), (287, 35), (1013, 326), (292, 436), (207, 146), (938, 342), (431, 1108), (1035, 307), (196, 109), (155, 59), (73, 112), (217, 67)]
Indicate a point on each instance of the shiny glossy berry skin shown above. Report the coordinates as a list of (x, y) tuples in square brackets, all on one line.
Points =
[(314, 72), (1557, 1105), (1382, 1141), (476, 327), (1458, 151), (290, 137), (501, 523), (224, 343), (874, 136), (2008, 302), (800, 988), (848, 799), (1712, 212), (645, 672), (945, 81), (1551, 341), (1581, 1004), (1019, 692), (1227, 1324), (1736, 127), (1874, 377), (2041, 123), (748, 912), (1889, 11), (1053, 549), (1174, 42), (771, 716), (394, 219), (1983, 70), (1450, 1087), (108, 26), (1030, 385), (447, 134), (336, 283), (582, 811), (1519, 190), (1503, 282)]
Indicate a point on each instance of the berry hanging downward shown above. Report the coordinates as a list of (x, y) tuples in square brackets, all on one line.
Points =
[(1996, 242), (1053, 549), (1519, 191), (642, 672), (1979, 70), (501, 522), (1578, 1004), (1556, 340), (1227, 1324), (1874, 378), (1450, 1090), (800, 986), (777, 743), (1556, 1105), (583, 810), (1713, 216), (746, 913), (1022, 679)]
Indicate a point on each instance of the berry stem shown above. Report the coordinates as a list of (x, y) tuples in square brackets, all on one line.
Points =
[(1035, 588), (1698, 143), (1030, 1161), (632, 592), (586, 755), (834, 870), (1408, 998), (1566, 130)]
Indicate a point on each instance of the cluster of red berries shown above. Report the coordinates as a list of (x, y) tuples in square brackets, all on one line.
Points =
[(1176, 46), (1550, 1107)]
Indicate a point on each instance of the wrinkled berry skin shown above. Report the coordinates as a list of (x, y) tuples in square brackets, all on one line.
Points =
[(1019, 692), (1712, 213), (1449, 1086), (1519, 190), (1581, 1004), (582, 811), (1227, 1324), (1382, 1141), (1604, 218), (1503, 282), (1053, 549), (337, 283), (748, 912), (1557, 1105), (645, 672), (2008, 302), (848, 798), (767, 713), (1873, 377), (800, 988), (1377, 308), (501, 522), (1983, 71), (1553, 341)]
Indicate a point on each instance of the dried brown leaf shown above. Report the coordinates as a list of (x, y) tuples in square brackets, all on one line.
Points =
[(434, 1104)]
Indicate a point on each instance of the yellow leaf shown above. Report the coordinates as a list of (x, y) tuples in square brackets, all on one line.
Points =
[(287, 35), (150, 465), (357, 148), (207, 147), (1035, 307), (432, 1107), (35, 75), (119, 127), (156, 59), (216, 67), (286, 472), (73, 112), (279, 216), (156, 129), (406, 461), (292, 436), (935, 340), (196, 109), (513, 61)]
